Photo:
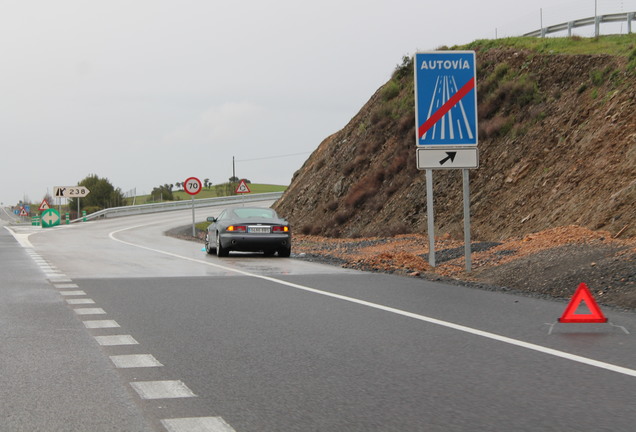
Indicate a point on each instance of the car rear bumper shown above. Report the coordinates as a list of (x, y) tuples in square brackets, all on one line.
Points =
[(254, 242)]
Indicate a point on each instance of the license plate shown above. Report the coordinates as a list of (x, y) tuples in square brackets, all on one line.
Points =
[(259, 229)]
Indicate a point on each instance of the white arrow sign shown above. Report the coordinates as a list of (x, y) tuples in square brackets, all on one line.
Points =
[(447, 158), (50, 218), (70, 191)]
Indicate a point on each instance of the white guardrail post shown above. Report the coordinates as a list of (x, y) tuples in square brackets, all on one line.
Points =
[(178, 205)]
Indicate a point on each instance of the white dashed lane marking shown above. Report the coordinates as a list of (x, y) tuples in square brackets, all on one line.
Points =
[(197, 424), (99, 324), (115, 340), (90, 311), (162, 389), (80, 301), (65, 286), (135, 361), (145, 389)]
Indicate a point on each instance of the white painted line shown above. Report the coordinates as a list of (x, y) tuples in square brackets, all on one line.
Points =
[(458, 327), (72, 293), (135, 361), (197, 424), (80, 301), (61, 279), (23, 239), (162, 389), (90, 311), (65, 285), (97, 324), (115, 340)]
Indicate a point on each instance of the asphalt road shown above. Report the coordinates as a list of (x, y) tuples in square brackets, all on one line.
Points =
[(253, 343)]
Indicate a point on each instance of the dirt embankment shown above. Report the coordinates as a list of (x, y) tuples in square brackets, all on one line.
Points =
[(557, 147), (553, 202)]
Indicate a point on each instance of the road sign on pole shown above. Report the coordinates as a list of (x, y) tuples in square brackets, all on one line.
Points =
[(447, 158), (70, 191), (192, 186), (242, 188), (50, 218), (446, 120), (446, 98), (45, 205)]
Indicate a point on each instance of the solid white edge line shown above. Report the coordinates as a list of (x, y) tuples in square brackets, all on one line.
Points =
[(465, 329)]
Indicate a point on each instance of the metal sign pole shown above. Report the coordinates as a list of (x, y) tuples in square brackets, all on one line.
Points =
[(193, 229), (431, 217), (467, 248)]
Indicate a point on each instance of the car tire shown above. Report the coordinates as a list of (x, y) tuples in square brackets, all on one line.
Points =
[(220, 250), (208, 247), (284, 252)]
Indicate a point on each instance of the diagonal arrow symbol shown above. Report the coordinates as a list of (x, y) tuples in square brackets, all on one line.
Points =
[(451, 157)]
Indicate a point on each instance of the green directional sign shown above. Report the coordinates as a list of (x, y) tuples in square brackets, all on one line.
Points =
[(50, 218)]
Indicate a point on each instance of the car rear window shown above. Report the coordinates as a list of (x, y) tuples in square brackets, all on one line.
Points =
[(255, 213)]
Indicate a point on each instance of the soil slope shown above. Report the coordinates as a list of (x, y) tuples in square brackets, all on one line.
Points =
[(557, 147)]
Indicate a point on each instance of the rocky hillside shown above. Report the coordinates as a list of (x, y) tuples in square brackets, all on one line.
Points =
[(557, 142)]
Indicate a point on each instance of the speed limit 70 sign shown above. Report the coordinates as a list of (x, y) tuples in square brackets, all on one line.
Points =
[(192, 186)]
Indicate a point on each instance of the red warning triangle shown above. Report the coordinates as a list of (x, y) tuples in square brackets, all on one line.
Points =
[(582, 294), (242, 188)]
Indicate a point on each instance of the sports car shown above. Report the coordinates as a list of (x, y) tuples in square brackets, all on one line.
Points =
[(250, 229)]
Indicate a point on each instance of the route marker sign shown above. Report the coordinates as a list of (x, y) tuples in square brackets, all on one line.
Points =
[(582, 294), (50, 218), (192, 186), (446, 98), (70, 191)]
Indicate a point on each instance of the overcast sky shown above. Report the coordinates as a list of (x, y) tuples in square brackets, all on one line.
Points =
[(148, 92)]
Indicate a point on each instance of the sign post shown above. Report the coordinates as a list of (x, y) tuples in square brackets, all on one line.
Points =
[(192, 186), (446, 123)]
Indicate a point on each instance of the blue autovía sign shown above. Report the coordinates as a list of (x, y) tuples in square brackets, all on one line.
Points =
[(446, 98)]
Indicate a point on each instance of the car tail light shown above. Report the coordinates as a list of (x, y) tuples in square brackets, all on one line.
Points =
[(280, 229), (237, 228)]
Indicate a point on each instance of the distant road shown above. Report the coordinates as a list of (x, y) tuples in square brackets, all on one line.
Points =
[(253, 343)]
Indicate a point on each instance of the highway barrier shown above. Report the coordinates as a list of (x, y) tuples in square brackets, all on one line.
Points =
[(178, 205)]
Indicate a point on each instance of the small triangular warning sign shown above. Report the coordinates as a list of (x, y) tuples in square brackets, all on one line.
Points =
[(242, 187), (44, 205), (582, 294)]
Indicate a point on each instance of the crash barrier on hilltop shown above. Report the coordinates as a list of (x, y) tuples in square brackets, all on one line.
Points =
[(596, 21)]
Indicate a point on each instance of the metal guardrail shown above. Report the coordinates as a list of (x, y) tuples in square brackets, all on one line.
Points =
[(596, 21), (178, 205)]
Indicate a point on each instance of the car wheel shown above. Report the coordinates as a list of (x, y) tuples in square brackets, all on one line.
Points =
[(208, 247), (220, 250), (284, 252)]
